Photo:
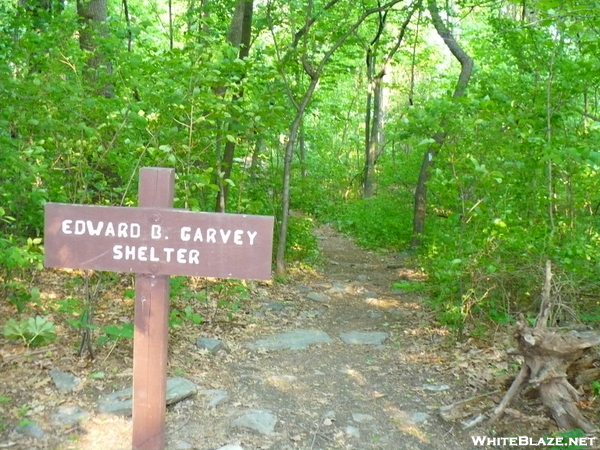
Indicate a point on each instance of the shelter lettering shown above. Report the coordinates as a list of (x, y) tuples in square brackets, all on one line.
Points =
[(158, 241)]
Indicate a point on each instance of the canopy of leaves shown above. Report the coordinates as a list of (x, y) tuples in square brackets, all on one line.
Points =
[(516, 181)]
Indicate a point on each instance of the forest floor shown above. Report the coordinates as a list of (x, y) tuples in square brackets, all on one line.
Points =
[(334, 395)]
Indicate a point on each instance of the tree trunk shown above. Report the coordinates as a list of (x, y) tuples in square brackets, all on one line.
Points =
[(375, 141), (197, 17), (371, 107), (421, 197), (376, 100), (287, 171), (258, 145), (315, 74), (92, 15), (368, 124), (302, 150), (555, 362), (239, 35), (466, 64), (548, 354)]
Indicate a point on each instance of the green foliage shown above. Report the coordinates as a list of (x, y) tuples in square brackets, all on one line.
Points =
[(576, 433), (19, 295), (230, 294), (225, 294), (514, 184), (74, 312), (595, 385), (184, 295), (409, 286), (16, 259), (302, 244), (19, 256), (115, 332), (33, 331), (176, 317), (378, 222)]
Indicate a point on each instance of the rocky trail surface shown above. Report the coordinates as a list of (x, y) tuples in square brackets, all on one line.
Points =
[(334, 359)]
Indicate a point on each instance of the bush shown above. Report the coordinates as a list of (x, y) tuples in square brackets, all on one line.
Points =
[(16, 259), (378, 222), (302, 245), (34, 331)]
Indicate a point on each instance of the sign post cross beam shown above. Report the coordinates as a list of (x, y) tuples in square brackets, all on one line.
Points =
[(155, 241)]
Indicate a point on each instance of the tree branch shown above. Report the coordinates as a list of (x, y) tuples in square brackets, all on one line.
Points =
[(352, 29), (309, 22), (403, 28), (590, 116), (466, 62)]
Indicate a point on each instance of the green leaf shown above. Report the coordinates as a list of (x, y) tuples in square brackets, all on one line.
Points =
[(35, 294), (424, 142), (500, 223), (12, 330), (116, 331)]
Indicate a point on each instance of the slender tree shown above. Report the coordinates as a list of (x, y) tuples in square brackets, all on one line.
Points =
[(466, 64), (375, 108), (314, 71), (92, 15), (239, 35)]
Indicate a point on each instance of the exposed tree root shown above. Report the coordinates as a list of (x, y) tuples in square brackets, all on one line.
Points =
[(548, 354)]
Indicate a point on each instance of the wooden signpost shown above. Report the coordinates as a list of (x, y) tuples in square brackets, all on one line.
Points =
[(155, 241)]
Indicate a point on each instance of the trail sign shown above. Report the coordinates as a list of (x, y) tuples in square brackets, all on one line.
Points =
[(155, 241), (158, 241)]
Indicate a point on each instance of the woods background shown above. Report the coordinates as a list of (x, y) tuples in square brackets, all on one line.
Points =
[(467, 131)]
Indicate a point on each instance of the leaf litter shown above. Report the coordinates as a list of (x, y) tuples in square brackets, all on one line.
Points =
[(316, 393)]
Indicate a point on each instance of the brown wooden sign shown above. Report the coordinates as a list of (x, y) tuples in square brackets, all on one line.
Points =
[(155, 241), (158, 241)]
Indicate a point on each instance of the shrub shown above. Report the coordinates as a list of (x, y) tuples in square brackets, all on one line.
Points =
[(378, 222), (34, 331)]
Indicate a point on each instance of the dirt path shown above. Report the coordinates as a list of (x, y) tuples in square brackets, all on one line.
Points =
[(338, 395), (335, 395)]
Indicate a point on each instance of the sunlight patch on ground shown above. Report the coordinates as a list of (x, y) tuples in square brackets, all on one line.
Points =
[(411, 274), (412, 305), (403, 422), (423, 358), (356, 375), (284, 382), (103, 432), (382, 302), (426, 331)]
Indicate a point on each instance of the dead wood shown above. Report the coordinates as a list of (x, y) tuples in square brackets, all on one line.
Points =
[(548, 353), (585, 377), (463, 408), (514, 390), (554, 358)]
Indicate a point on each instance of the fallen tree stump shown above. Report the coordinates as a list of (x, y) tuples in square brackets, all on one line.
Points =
[(548, 354)]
